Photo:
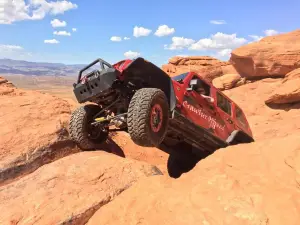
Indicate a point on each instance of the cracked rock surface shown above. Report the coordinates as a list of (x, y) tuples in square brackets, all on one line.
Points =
[(69, 190)]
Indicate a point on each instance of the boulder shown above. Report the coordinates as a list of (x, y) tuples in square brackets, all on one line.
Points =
[(206, 66), (292, 75), (247, 184), (265, 120), (272, 56), (288, 92), (6, 87), (228, 81), (3, 80), (5, 83), (69, 190)]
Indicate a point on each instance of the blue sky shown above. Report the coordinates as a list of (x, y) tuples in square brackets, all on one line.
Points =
[(191, 27)]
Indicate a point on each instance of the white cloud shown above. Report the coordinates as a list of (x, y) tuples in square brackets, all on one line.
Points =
[(58, 7), (14, 52), (164, 30), (116, 38), (256, 37), (17, 10), (179, 43), (141, 31), (12, 10), (62, 33), (126, 38), (10, 48), (218, 41), (218, 22), (131, 54), (224, 52), (183, 56), (74, 29), (58, 23), (52, 41), (271, 32)]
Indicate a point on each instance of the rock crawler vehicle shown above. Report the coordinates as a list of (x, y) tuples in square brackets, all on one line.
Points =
[(156, 110)]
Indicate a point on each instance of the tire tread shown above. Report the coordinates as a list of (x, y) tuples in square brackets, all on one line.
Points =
[(138, 111), (77, 124)]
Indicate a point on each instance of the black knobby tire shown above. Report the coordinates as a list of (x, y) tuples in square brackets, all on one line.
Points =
[(139, 122), (80, 127)]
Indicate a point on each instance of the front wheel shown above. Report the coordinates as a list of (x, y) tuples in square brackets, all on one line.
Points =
[(82, 132), (148, 117)]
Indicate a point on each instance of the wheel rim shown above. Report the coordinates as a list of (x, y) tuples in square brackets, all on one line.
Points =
[(156, 117)]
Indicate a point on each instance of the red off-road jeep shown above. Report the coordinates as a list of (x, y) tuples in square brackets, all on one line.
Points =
[(138, 97)]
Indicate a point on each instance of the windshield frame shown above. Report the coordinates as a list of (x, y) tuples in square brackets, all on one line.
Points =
[(180, 77)]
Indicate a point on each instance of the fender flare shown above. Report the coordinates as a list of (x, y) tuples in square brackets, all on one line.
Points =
[(152, 76)]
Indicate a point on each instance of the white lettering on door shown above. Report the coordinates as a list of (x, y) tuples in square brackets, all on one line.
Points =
[(212, 121)]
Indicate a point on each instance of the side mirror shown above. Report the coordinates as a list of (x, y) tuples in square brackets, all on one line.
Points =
[(194, 84), (209, 102)]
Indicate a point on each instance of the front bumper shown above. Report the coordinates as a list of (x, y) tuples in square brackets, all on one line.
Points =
[(94, 86)]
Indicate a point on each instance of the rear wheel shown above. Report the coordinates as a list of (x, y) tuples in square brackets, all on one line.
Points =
[(82, 132), (148, 117)]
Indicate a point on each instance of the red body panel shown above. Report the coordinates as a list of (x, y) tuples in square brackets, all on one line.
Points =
[(204, 114), (122, 65)]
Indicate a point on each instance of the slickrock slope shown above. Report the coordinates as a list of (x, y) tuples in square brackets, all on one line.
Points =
[(69, 190), (126, 147), (33, 130), (254, 184), (272, 56), (208, 67)]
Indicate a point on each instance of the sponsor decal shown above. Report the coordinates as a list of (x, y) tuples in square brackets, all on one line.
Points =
[(212, 121)]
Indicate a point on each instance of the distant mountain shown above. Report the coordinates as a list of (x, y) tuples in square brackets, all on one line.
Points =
[(38, 68)]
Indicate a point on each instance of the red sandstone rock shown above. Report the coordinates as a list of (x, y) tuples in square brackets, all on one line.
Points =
[(250, 184), (69, 190), (288, 92), (228, 81), (266, 122), (206, 66), (272, 56), (292, 75), (33, 130)]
